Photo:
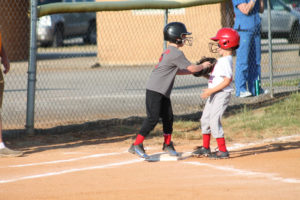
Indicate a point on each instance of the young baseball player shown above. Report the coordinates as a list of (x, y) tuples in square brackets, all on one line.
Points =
[(159, 86), (218, 93)]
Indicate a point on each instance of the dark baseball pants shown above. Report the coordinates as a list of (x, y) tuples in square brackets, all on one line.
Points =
[(157, 105)]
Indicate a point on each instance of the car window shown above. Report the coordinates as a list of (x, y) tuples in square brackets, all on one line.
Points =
[(277, 6), (41, 2)]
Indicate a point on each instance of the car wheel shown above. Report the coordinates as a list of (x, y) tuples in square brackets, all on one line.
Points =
[(45, 44), (58, 38), (294, 36), (91, 36)]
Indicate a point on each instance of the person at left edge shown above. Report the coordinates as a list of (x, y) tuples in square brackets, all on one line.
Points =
[(4, 151)]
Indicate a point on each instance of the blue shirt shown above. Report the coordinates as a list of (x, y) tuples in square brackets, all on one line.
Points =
[(246, 22)]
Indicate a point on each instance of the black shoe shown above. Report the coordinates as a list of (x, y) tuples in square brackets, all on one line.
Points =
[(139, 150), (219, 155), (201, 151), (170, 149)]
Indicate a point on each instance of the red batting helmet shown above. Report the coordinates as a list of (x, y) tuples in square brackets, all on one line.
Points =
[(227, 38)]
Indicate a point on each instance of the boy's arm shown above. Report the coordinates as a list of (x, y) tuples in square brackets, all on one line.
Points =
[(4, 60), (207, 92), (183, 72), (193, 68)]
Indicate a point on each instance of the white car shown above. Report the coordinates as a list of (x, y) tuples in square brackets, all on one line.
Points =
[(53, 29), (284, 21)]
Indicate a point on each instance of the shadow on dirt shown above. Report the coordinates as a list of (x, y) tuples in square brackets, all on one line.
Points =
[(268, 148), (90, 133)]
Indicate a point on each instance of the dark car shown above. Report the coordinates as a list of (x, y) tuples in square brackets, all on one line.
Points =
[(53, 29)]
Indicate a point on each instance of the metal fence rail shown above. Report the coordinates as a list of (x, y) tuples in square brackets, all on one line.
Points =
[(80, 82)]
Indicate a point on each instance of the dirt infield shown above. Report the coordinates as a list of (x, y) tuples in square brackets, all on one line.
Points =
[(94, 169)]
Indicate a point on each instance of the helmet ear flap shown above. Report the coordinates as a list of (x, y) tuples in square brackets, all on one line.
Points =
[(225, 43)]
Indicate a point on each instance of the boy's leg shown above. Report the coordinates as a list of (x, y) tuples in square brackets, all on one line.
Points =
[(153, 105), (205, 126), (167, 120), (206, 132), (166, 114), (205, 118), (220, 103)]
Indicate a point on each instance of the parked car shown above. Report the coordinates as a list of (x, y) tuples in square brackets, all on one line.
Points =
[(284, 21), (53, 29)]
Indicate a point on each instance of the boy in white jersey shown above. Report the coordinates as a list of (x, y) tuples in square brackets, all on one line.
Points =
[(159, 86), (218, 93)]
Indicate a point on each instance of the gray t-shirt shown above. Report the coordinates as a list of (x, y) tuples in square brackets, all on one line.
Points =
[(162, 77)]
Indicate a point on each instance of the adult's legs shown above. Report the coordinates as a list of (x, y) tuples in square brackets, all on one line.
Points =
[(242, 58), (254, 62)]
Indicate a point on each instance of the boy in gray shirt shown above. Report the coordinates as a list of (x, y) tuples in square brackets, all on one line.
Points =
[(159, 86)]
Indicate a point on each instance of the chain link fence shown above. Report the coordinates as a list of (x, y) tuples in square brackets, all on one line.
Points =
[(98, 67)]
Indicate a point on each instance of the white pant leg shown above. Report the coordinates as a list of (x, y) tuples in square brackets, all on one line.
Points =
[(205, 118), (219, 103)]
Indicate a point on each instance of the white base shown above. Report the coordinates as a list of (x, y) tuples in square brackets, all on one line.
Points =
[(166, 157)]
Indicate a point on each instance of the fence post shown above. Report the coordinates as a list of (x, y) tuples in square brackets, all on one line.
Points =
[(165, 23), (31, 70), (270, 49)]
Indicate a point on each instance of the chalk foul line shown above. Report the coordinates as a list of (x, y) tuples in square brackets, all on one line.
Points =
[(68, 160), (71, 171), (246, 172)]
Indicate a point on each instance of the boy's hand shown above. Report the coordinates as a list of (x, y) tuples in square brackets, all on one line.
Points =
[(4, 60), (206, 93), (6, 66), (208, 66)]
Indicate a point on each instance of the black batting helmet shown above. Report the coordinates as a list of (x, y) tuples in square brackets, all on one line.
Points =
[(174, 31)]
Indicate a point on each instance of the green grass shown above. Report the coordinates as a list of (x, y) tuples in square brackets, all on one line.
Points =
[(281, 118), (283, 83)]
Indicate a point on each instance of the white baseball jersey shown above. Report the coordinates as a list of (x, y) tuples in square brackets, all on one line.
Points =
[(223, 68)]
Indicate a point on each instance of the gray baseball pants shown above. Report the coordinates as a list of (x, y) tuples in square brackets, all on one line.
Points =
[(213, 111)]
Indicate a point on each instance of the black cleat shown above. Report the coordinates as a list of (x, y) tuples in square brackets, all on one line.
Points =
[(170, 149), (219, 155), (139, 150), (201, 151)]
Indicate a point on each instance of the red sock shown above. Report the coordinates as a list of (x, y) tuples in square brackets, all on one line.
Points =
[(139, 139), (167, 138), (221, 144), (206, 140)]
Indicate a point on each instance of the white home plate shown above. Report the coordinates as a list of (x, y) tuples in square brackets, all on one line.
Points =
[(166, 157)]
